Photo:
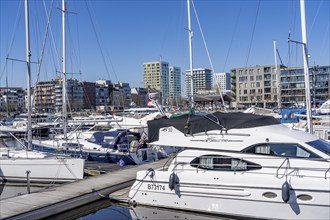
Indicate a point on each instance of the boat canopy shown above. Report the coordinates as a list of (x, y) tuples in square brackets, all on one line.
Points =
[(98, 137), (193, 123), (115, 139)]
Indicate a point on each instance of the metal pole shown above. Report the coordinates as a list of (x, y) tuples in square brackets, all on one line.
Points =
[(306, 70), (190, 34), (28, 181), (278, 77), (28, 56), (64, 71)]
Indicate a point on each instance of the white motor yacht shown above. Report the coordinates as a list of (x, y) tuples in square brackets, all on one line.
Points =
[(236, 164)]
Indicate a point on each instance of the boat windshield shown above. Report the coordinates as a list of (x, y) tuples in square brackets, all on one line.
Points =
[(320, 145)]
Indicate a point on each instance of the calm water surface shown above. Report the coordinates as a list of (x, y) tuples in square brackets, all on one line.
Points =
[(140, 212)]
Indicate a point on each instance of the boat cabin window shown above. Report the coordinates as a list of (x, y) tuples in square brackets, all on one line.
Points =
[(218, 162), (74, 145), (281, 149), (321, 145)]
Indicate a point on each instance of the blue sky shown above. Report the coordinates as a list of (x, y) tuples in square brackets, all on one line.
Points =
[(110, 39)]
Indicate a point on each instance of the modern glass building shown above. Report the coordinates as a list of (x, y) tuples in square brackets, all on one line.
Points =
[(293, 85), (258, 86)]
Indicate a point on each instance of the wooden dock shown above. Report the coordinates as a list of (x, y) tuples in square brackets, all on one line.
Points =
[(72, 195)]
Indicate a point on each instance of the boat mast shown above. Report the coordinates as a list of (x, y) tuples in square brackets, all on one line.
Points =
[(64, 71), (28, 73), (306, 69), (278, 77), (190, 34)]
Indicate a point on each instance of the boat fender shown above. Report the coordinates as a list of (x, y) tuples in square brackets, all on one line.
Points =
[(121, 162), (151, 172), (171, 182), (286, 191)]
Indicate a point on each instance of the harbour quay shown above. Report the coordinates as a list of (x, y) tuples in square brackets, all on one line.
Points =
[(66, 197)]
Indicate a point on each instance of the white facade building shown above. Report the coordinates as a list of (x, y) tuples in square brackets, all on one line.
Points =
[(174, 84), (202, 80), (222, 82)]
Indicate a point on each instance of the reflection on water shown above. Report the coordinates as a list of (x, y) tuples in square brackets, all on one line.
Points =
[(110, 212), (104, 209), (141, 212)]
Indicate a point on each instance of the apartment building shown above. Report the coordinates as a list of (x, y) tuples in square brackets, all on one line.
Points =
[(222, 83), (12, 99), (75, 94), (44, 96), (202, 80), (102, 93), (293, 85), (156, 76), (89, 94), (121, 94), (174, 85), (255, 86), (259, 86)]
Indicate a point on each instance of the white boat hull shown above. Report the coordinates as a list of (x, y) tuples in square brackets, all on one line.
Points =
[(230, 194), (41, 170)]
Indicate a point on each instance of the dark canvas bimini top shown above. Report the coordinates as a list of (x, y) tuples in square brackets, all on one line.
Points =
[(191, 124)]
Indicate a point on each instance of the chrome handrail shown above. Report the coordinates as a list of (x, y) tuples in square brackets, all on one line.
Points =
[(325, 175)]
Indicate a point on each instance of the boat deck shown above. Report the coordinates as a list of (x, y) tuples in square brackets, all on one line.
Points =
[(72, 195)]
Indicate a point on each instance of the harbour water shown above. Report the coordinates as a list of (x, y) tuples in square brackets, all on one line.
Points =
[(105, 209), (141, 212)]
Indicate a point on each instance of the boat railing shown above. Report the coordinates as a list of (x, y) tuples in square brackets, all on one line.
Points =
[(287, 164), (325, 175), (283, 170)]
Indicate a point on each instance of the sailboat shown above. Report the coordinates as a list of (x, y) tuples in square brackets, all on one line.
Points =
[(37, 168), (118, 145), (237, 165)]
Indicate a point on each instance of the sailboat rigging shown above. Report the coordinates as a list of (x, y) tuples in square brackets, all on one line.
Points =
[(306, 67), (42, 168)]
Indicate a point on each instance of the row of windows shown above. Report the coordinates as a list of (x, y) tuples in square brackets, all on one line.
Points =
[(288, 150)]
